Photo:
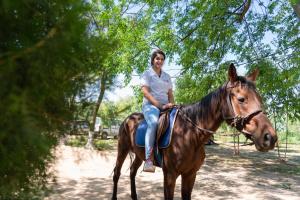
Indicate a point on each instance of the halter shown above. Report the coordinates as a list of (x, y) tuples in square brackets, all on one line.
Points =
[(238, 121)]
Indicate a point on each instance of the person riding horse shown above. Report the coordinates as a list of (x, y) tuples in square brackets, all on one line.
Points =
[(156, 86), (237, 102)]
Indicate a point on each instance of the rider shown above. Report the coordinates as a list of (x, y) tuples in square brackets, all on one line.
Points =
[(156, 86)]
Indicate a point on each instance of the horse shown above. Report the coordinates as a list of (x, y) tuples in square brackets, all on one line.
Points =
[(236, 102)]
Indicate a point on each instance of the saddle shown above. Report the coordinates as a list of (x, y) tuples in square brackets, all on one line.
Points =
[(163, 123), (163, 132)]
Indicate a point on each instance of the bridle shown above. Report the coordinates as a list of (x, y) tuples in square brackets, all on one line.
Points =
[(237, 121)]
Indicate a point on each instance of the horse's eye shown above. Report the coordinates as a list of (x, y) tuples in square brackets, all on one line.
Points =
[(241, 99)]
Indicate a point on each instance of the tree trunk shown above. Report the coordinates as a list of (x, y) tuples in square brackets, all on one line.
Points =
[(286, 133), (89, 144), (296, 8)]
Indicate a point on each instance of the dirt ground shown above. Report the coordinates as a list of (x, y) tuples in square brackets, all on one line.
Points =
[(87, 174)]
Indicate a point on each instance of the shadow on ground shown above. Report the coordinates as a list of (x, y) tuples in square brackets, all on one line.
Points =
[(252, 175)]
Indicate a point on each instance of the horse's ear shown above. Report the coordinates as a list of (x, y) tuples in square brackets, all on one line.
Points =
[(252, 77), (232, 75)]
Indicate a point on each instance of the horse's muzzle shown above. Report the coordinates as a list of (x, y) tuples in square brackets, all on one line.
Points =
[(269, 141)]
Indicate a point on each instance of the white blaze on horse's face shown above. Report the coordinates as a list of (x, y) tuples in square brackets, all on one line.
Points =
[(245, 101)]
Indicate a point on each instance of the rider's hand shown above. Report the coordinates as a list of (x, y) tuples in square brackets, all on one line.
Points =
[(167, 106)]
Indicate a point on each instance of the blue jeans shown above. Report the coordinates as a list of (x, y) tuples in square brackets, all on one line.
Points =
[(151, 114)]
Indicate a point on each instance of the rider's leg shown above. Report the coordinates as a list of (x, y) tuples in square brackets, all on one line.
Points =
[(151, 114)]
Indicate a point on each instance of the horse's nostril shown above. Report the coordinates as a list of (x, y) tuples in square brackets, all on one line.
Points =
[(268, 137)]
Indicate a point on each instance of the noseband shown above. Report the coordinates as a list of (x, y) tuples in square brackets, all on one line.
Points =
[(238, 121)]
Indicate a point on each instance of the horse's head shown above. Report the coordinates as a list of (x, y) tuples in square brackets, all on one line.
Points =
[(244, 111)]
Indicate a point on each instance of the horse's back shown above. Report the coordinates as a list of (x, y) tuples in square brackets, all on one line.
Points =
[(133, 120), (128, 128)]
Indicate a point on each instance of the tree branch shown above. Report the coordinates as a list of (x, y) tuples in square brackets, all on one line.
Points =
[(189, 34), (244, 11), (250, 38)]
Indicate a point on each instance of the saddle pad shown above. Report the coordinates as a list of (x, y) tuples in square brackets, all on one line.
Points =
[(165, 140)]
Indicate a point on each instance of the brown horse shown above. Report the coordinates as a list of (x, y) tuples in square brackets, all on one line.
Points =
[(236, 102)]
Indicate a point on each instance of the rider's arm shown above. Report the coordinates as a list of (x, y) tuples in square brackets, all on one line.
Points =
[(171, 96), (147, 95)]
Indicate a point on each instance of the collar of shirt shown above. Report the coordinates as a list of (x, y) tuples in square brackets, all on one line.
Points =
[(154, 73)]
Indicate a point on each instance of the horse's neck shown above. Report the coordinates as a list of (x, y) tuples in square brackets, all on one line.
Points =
[(209, 111)]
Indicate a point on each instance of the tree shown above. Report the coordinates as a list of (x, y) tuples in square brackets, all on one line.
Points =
[(205, 35), (111, 20), (42, 47), (113, 113)]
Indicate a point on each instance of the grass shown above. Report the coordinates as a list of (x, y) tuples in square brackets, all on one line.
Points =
[(286, 169), (76, 141), (292, 138), (101, 145)]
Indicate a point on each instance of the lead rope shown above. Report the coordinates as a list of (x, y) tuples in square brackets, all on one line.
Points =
[(236, 149)]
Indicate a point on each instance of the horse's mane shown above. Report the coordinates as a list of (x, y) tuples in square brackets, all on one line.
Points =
[(201, 109)]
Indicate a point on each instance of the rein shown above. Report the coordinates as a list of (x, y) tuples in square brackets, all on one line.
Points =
[(191, 121)]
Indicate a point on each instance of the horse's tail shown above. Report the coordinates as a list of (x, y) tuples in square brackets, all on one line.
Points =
[(125, 139), (130, 140), (125, 146), (124, 133)]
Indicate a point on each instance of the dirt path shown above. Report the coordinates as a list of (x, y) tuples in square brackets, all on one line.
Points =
[(85, 174)]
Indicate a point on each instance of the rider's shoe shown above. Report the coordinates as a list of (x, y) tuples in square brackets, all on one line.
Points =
[(148, 166)]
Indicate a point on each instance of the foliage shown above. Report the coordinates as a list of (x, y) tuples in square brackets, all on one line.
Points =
[(76, 141), (205, 35), (56, 57), (138, 95), (279, 89), (125, 48), (192, 87), (112, 113), (42, 49), (100, 145)]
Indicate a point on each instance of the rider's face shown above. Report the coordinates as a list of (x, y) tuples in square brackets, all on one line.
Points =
[(158, 61)]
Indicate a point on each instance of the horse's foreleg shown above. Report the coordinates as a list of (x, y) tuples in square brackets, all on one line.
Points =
[(169, 184), (122, 153), (133, 169), (187, 184)]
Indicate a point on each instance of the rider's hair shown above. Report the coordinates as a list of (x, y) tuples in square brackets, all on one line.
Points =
[(155, 53)]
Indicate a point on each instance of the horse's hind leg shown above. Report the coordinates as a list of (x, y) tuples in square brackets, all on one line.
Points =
[(123, 150), (133, 169), (187, 184)]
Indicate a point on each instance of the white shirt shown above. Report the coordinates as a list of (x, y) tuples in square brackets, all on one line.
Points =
[(158, 85)]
